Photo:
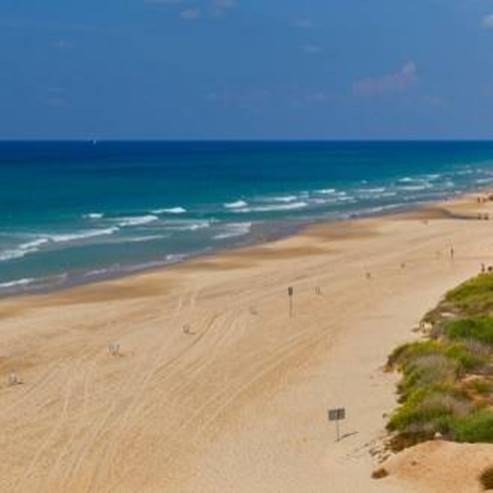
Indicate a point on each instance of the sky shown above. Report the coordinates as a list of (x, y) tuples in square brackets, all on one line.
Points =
[(246, 69)]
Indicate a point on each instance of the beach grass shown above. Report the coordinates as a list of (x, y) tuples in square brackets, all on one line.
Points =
[(447, 378)]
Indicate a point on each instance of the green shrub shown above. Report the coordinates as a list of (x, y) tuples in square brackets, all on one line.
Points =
[(477, 328), (475, 427), (427, 410), (405, 353), (427, 370), (434, 396), (465, 357), (474, 296), (483, 387)]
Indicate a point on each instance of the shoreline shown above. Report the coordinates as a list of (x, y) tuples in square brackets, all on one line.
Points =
[(238, 401), (286, 229)]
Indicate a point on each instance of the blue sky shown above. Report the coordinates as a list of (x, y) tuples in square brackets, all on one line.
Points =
[(232, 69)]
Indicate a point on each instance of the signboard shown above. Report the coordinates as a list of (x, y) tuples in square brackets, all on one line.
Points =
[(337, 414), (290, 294)]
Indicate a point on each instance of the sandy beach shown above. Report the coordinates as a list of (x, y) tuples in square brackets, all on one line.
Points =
[(237, 401)]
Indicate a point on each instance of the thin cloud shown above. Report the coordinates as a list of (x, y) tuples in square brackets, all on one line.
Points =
[(312, 49), (487, 21), (61, 44), (395, 82), (303, 24), (224, 4), (196, 8), (190, 14), (163, 2), (220, 7)]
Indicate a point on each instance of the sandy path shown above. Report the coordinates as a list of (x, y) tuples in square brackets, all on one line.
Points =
[(238, 405)]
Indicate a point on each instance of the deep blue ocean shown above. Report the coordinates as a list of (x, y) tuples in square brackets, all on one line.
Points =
[(80, 211)]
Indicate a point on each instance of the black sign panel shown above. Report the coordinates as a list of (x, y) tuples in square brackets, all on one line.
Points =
[(337, 414)]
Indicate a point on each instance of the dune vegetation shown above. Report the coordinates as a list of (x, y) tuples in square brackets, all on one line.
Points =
[(446, 387)]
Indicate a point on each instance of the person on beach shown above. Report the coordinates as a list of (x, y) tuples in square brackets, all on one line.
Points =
[(452, 253)]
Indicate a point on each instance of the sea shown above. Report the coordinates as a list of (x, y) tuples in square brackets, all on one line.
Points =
[(77, 212)]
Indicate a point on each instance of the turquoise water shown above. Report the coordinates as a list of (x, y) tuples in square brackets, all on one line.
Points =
[(79, 211)]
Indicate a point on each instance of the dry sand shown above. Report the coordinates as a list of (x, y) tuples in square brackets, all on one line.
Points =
[(240, 403)]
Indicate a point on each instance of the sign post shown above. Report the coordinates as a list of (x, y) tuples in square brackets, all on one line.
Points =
[(290, 294), (337, 415)]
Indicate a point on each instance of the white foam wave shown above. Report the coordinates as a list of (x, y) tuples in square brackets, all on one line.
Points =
[(23, 249), (93, 215), (136, 221), (172, 258), (327, 191), (372, 190), (170, 210), (233, 230), (98, 272), (144, 239), (273, 207), (432, 177), (285, 198), (235, 205), (92, 233), (18, 282), (415, 188), (188, 225), (34, 244)]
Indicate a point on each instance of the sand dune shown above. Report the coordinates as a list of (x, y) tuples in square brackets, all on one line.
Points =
[(239, 403)]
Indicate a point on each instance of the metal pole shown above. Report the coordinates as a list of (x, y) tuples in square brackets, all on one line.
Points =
[(291, 307), (337, 427)]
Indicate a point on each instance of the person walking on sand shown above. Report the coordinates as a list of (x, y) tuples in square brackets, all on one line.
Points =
[(452, 253)]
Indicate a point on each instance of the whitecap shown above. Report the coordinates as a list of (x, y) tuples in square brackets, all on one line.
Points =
[(136, 221), (326, 191), (138, 239), (372, 190), (273, 207), (12, 254), (93, 215), (174, 257), (234, 230), (285, 198), (415, 188), (23, 249), (82, 235), (18, 282), (170, 210), (235, 205), (433, 177), (143, 239), (191, 225), (34, 244)]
